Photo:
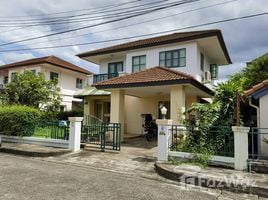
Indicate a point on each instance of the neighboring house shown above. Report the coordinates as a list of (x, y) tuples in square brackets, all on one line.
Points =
[(258, 98), (71, 78), (138, 77)]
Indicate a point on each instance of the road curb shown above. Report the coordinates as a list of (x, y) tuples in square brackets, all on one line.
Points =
[(32, 153), (166, 172)]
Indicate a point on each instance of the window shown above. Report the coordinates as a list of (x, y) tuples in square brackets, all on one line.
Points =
[(13, 76), (214, 71), (115, 67), (5, 79), (54, 76), (138, 63), (79, 83), (174, 58), (33, 71), (202, 62)]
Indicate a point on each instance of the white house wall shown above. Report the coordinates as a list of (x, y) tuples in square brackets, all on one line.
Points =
[(135, 106), (264, 124), (67, 80), (152, 59), (103, 69)]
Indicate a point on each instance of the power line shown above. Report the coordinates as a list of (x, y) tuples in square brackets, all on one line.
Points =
[(111, 6), (78, 17), (138, 23), (102, 23), (71, 11), (144, 35)]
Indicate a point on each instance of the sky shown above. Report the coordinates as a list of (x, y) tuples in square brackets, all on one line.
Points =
[(245, 39)]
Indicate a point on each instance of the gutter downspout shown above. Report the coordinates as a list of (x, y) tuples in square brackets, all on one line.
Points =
[(258, 111), (258, 125)]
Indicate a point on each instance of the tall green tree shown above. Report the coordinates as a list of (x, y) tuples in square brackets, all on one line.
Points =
[(32, 90), (255, 72)]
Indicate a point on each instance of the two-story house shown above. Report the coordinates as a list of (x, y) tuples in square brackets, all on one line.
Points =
[(137, 77), (70, 77)]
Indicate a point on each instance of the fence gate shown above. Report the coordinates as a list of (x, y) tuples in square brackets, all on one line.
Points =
[(100, 134)]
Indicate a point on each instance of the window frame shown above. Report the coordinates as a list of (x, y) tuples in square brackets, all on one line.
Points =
[(172, 58), (215, 66), (202, 62), (57, 79), (5, 81), (116, 67), (13, 76), (139, 64), (79, 83)]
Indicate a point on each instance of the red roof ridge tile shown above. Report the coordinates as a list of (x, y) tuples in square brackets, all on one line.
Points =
[(256, 87)]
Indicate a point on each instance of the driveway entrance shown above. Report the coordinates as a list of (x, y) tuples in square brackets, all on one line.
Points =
[(137, 155)]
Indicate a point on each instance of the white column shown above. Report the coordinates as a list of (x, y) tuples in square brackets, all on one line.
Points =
[(118, 109), (75, 133), (163, 137), (177, 103), (240, 147)]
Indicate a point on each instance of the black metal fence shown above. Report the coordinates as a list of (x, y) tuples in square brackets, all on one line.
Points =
[(104, 135), (258, 143), (52, 130), (180, 136)]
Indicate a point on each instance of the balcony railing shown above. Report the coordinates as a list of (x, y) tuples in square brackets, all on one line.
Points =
[(103, 77)]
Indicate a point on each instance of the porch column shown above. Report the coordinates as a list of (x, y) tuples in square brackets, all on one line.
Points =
[(118, 109), (177, 103)]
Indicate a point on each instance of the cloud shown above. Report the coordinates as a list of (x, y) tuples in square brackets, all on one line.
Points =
[(245, 39), (15, 57)]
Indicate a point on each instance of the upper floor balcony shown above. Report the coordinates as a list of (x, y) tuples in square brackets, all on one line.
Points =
[(103, 77)]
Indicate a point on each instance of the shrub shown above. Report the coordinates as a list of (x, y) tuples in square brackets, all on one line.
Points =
[(18, 120), (73, 113)]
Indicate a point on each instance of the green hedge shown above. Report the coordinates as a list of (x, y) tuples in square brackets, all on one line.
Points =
[(18, 120)]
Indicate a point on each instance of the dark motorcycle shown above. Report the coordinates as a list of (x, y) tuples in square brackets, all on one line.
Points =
[(150, 128)]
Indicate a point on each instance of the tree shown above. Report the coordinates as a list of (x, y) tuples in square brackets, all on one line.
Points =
[(255, 72), (32, 90)]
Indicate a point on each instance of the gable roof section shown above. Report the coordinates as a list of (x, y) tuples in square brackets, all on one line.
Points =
[(151, 77), (258, 90), (161, 40), (48, 59)]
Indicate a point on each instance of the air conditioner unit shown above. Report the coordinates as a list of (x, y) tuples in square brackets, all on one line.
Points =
[(207, 77)]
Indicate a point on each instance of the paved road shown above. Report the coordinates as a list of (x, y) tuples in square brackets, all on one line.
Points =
[(26, 178)]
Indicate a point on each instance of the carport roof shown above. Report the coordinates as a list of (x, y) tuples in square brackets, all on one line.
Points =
[(90, 91), (155, 76)]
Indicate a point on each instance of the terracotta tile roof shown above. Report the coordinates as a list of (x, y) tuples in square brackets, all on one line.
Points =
[(150, 77), (160, 40), (48, 59), (256, 88)]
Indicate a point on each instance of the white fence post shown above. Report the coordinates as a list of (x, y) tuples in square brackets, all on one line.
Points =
[(75, 133), (240, 147), (163, 137)]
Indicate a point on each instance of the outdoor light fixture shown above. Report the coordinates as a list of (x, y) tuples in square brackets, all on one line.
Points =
[(163, 112)]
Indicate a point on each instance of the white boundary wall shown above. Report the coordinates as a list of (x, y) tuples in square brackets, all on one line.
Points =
[(36, 141)]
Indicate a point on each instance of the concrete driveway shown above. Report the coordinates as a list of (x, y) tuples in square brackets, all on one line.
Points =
[(136, 156)]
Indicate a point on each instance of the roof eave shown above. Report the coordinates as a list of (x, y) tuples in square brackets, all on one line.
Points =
[(203, 35), (158, 83)]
